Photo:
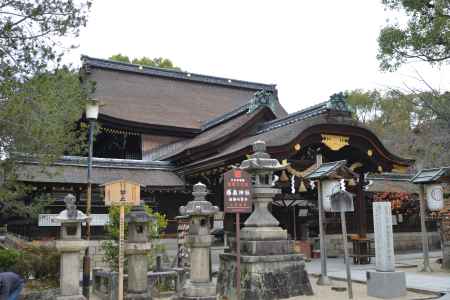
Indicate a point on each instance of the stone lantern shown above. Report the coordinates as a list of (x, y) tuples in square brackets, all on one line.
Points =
[(262, 224), (269, 267), (69, 245), (199, 286), (136, 249)]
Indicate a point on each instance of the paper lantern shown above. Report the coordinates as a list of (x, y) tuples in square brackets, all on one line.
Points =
[(435, 197), (329, 187)]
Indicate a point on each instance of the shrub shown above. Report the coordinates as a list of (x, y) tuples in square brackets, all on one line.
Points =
[(32, 261), (8, 259)]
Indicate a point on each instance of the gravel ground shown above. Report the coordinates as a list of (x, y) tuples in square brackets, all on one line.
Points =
[(359, 292)]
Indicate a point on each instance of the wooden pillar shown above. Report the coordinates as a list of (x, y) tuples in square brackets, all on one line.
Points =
[(361, 210)]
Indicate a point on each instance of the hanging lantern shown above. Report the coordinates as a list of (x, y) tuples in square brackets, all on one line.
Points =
[(329, 187), (351, 182), (284, 176), (435, 197), (302, 187)]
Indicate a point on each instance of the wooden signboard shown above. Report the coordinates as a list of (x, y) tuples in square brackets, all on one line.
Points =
[(237, 191), (121, 193), (113, 192)]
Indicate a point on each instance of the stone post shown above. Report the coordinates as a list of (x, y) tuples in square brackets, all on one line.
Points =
[(385, 282), (136, 249), (69, 245), (199, 286)]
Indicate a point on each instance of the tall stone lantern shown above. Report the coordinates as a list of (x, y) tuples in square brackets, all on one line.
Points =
[(199, 286), (69, 245), (269, 267), (136, 250)]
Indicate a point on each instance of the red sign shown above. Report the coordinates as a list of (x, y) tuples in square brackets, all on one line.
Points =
[(237, 191)]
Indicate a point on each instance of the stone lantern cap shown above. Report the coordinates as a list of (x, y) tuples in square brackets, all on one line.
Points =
[(71, 214), (199, 206), (260, 161), (138, 215)]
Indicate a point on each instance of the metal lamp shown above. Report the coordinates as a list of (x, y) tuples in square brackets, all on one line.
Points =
[(92, 110)]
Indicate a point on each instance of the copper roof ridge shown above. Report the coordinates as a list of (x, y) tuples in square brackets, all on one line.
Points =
[(173, 74)]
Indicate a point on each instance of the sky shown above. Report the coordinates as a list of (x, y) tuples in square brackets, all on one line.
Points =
[(309, 49)]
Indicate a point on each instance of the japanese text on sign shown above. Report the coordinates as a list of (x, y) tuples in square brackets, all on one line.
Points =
[(237, 191)]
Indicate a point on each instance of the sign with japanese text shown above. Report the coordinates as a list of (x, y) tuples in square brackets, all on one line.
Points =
[(114, 190), (237, 191)]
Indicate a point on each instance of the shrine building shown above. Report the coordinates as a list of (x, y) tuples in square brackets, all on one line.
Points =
[(169, 129)]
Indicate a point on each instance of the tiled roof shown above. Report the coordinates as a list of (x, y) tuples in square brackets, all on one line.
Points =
[(431, 175), (74, 170), (326, 169)]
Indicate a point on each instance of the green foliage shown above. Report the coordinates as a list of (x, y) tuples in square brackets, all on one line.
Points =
[(111, 247), (40, 262), (412, 125), (31, 34), (39, 106), (158, 62), (425, 36), (38, 121), (121, 58), (8, 259)]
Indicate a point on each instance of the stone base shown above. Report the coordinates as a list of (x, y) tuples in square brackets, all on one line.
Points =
[(203, 291), (386, 285), (264, 277), (73, 297), (263, 233), (138, 296)]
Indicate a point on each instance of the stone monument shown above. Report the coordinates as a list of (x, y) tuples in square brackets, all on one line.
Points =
[(199, 286), (269, 267), (136, 249), (385, 282), (69, 245)]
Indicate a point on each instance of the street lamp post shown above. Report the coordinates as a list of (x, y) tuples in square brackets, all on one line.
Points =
[(92, 108)]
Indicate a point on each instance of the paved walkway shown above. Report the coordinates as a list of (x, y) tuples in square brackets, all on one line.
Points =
[(438, 281)]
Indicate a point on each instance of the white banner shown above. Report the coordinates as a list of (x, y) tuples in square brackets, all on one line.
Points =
[(50, 220)]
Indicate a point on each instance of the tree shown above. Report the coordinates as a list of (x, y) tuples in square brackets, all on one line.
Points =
[(39, 122), (425, 36), (40, 99), (405, 125), (158, 62), (31, 34)]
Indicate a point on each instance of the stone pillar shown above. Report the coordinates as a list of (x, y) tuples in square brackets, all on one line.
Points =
[(199, 286), (136, 249), (69, 245), (445, 235), (269, 267), (385, 282)]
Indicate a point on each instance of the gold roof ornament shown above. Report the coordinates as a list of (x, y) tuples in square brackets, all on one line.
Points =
[(370, 152), (335, 142), (297, 147), (399, 169)]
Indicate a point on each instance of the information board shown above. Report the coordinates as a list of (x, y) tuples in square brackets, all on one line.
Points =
[(237, 191)]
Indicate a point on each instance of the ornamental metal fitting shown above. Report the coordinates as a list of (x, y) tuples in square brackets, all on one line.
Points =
[(260, 161), (199, 206), (138, 215)]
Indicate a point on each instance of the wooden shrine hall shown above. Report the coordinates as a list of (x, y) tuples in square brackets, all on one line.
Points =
[(168, 129)]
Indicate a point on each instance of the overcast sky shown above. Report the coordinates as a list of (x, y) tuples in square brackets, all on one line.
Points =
[(310, 49)]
